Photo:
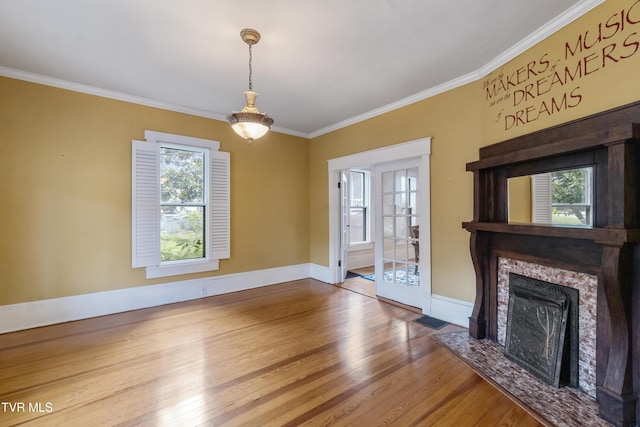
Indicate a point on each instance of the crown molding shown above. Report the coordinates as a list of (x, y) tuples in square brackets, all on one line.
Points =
[(451, 84), (92, 90), (120, 96), (536, 37), (540, 34)]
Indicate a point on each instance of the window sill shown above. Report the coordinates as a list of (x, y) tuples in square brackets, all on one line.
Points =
[(187, 267)]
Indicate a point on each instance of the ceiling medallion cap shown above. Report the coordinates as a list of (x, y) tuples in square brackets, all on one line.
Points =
[(250, 36)]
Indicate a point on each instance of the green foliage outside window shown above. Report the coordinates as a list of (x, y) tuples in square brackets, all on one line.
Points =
[(570, 198), (182, 190)]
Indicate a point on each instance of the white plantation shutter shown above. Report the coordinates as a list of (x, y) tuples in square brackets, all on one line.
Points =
[(145, 204), (219, 241), (541, 198)]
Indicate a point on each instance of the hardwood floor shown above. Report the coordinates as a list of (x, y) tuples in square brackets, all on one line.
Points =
[(359, 285), (297, 353), (367, 287)]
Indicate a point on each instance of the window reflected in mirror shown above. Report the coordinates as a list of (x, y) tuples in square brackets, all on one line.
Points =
[(562, 197)]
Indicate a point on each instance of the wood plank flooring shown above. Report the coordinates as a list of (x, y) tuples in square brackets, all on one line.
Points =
[(368, 287), (297, 353), (359, 285)]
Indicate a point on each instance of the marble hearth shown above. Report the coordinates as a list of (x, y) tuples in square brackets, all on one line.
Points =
[(558, 407)]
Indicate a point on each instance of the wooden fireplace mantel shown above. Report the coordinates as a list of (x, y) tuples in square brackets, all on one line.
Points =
[(610, 250)]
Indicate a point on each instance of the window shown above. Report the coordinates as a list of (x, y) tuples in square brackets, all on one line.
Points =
[(563, 197), (180, 199), (183, 205), (359, 220), (571, 196)]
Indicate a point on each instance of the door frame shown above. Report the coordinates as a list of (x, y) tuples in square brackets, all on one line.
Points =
[(344, 223), (419, 148)]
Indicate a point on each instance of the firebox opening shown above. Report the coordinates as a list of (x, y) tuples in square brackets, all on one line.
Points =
[(542, 329)]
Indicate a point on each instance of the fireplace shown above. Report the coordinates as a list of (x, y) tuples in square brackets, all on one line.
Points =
[(542, 329), (584, 329), (603, 259)]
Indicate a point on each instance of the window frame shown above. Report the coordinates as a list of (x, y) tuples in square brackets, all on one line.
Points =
[(146, 205), (205, 198), (365, 206)]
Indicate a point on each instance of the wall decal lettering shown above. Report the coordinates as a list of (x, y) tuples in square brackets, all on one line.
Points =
[(550, 84)]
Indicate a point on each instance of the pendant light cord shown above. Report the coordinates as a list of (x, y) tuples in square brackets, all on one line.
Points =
[(250, 69)]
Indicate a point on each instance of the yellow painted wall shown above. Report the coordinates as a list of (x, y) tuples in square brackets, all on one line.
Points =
[(586, 67), (452, 119), (467, 118), (65, 169), (65, 165), (520, 199)]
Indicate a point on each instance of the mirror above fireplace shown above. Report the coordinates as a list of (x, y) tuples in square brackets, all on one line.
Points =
[(562, 197)]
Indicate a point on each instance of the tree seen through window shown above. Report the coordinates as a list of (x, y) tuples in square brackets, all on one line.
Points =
[(182, 207), (571, 196)]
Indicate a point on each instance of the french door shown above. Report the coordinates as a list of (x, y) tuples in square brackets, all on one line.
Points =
[(397, 232)]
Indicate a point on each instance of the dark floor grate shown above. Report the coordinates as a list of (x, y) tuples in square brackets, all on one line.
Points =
[(431, 322)]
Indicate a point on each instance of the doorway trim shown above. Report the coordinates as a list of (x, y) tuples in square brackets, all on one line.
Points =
[(419, 148)]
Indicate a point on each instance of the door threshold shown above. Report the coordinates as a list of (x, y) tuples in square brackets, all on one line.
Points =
[(399, 304)]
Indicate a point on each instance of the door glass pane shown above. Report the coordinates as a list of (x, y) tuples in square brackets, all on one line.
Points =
[(388, 207), (401, 203), (401, 251), (402, 228), (387, 182), (387, 226), (400, 180)]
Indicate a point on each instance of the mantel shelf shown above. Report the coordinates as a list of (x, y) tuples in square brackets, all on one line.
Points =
[(615, 236), (610, 143)]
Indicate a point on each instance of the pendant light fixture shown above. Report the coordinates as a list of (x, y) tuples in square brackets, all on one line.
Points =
[(250, 123)]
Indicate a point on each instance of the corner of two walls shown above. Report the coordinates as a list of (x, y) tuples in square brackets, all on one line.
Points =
[(66, 157), (588, 66), (66, 166)]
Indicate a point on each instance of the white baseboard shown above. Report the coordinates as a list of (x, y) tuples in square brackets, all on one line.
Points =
[(16, 317), (358, 260), (360, 255), (27, 315), (450, 310), (322, 273)]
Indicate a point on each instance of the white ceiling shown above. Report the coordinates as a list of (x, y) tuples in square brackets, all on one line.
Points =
[(321, 64)]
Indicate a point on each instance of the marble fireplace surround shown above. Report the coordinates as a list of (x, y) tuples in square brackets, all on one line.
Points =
[(587, 286), (609, 250)]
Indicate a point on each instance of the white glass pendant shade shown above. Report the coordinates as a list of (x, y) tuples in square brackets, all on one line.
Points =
[(250, 130), (250, 123)]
